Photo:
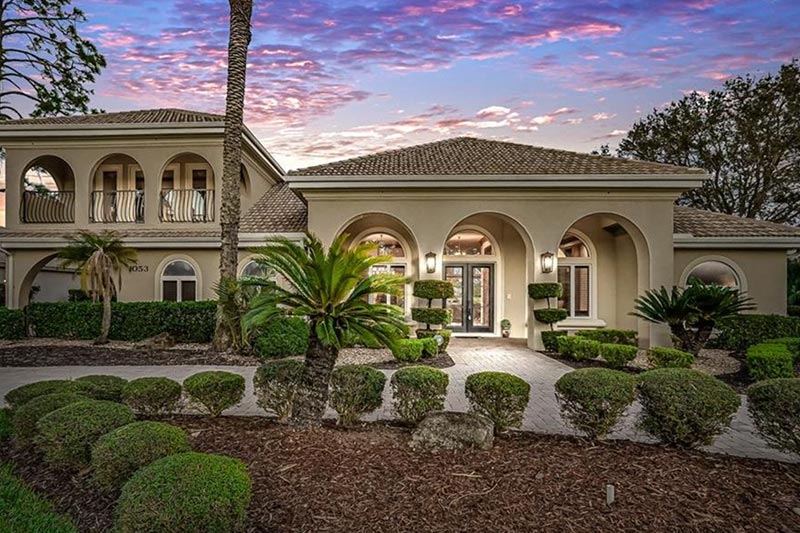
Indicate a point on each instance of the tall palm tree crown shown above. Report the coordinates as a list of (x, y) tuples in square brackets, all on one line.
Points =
[(330, 289)]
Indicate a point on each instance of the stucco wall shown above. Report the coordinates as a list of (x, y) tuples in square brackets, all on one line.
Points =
[(764, 273)]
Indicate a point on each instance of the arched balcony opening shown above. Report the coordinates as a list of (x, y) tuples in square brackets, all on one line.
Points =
[(48, 192), (117, 191), (187, 190)]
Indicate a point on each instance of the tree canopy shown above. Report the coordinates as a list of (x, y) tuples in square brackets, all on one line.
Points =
[(45, 65), (746, 135)]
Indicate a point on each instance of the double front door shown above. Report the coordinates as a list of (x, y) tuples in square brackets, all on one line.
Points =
[(473, 304)]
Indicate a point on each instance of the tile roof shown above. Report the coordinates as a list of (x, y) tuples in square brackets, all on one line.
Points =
[(700, 223), (472, 156), (145, 116), (280, 210)]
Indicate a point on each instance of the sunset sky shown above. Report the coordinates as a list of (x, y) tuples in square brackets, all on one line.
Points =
[(335, 79)]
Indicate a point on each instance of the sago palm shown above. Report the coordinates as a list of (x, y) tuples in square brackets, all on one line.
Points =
[(331, 289), (98, 258)]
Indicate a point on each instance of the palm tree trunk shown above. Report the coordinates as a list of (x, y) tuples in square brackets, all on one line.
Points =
[(106, 327), (311, 399), (239, 40)]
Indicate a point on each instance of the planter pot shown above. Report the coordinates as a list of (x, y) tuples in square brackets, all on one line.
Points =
[(506, 334)]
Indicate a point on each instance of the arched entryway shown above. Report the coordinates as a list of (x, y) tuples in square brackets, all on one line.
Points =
[(46, 280), (487, 257)]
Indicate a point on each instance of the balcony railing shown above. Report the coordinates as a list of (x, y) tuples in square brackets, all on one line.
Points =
[(48, 207), (187, 205), (117, 206)]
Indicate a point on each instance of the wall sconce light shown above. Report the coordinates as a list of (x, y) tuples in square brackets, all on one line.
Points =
[(548, 262), (430, 262)]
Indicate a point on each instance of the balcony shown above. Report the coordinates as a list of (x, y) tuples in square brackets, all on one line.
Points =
[(187, 205), (117, 206), (48, 207)]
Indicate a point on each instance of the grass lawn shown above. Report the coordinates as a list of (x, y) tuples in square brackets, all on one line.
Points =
[(368, 479)]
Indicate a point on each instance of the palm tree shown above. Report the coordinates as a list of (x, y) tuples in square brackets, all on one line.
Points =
[(330, 289), (691, 313), (98, 257), (239, 40)]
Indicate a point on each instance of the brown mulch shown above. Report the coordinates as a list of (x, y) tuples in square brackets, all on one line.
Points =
[(443, 360), (368, 479), (84, 353)]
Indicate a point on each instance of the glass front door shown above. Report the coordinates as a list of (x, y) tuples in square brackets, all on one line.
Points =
[(473, 304)]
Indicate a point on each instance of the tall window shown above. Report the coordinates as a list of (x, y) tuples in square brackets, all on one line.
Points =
[(388, 246), (468, 242), (179, 282), (575, 275), (715, 273)]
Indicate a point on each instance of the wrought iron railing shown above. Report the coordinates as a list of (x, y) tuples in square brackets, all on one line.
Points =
[(187, 205), (117, 206), (48, 207)]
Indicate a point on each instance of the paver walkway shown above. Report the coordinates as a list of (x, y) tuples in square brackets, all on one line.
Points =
[(470, 356)]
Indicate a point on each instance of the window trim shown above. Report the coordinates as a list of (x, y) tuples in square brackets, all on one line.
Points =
[(405, 261), (591, 263), (727, 261), (480, 258), (159, 279)]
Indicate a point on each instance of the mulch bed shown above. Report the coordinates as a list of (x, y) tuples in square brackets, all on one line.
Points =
[(368, 479), (87, 354), (443, 360)]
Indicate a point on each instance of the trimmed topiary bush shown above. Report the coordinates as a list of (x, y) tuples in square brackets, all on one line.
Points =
[(543, 291), (12, 323), (610, 336), (186, 493), (663, 357), (26, 416), (101, 387), (276, 384), (152, 396), (430, 348), (282, 337), (593, 399), (770, 361), (356, 390), (214, 391), (26, 393), (446, 334), (123, 451), (408, 350), (742, 331), (66, 435), (684, 407), (567, 344), (433, 289), (432, 315), (618, 355), (774, 405), (23, 511), (550, 316), (550, 339), (499, 396), (418, 390)]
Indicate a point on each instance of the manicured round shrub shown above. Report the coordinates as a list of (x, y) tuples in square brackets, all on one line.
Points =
[(152, 396), (684, 407), (26, 393), (618, 355), (433, 289), (550, 339), (499, 396), (66, 435), (662, 357), (418, 390), (408, 350), (610, 336), (550, 316), (28, 414), (101, 387), (214, 391), (356, 390), (282, 337), (123, 451), (186, 493), (584, 349), (432, 315), (593, 399), (445, 334), (769, 361), (430, 348), (774, 405), (542, 291), (276, 383)]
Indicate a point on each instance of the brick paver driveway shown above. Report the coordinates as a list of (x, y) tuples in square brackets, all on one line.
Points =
[(470, 356)]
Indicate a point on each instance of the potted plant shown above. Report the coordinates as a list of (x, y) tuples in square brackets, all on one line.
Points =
[(505, 326)]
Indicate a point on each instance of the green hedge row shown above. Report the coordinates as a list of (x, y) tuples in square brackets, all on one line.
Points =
[(740, 332), (130, 321), (12, 323)]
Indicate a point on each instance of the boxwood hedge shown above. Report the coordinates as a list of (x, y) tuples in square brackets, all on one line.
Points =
[(499, 396), (12, 323), (25, 393), (610, 336), (23, 511), (130, 321), (768, 361), (742, 331), (356, 390), (418, 390), (27, 415), (775, 407), (214, 391), (283, 337)]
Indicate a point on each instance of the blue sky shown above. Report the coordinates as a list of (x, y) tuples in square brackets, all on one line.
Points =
[(335, 79)]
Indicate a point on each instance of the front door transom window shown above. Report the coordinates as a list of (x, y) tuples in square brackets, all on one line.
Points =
[(468, 242), (179, 282)]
